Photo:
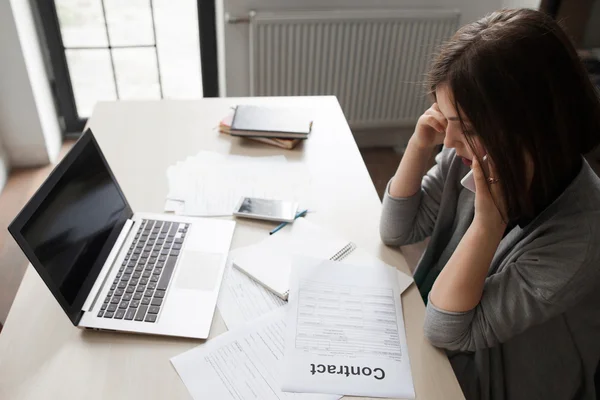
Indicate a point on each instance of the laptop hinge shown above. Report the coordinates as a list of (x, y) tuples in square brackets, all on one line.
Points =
[(108, 266)]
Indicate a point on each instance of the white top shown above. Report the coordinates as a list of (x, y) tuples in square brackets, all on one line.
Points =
[(42, 355)]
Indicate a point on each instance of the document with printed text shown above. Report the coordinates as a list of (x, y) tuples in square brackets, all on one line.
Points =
[(345, 331), (242, 299), (241, 364)]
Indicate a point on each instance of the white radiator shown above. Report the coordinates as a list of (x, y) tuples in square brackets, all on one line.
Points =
[(374, 61)]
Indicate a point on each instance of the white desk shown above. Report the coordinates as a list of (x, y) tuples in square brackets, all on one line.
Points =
[(43, 356)]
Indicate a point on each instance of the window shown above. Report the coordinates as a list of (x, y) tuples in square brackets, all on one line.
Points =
[(106, 50)]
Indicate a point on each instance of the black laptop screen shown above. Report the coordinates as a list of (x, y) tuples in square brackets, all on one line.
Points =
[(69, 229)]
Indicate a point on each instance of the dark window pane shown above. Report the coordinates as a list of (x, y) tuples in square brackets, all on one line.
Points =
[(137, 75), (91, 77), (81, 23), (129, 22)]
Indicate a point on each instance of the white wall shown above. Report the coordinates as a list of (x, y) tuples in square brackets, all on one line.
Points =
[(534, 4), (29, 125), (234, 42)]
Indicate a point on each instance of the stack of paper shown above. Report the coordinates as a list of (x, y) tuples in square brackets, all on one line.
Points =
[(211, 184), (342, 332), (245, 293), (245, 363), (243, 300), (345, 331)]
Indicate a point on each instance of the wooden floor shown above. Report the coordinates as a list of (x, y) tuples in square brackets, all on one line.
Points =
[(21, 184)]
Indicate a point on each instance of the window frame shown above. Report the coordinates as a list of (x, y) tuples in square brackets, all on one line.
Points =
[(61, 83)]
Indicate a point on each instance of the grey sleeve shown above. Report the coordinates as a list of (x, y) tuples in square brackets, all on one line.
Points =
[(541, 284), (411, 219)]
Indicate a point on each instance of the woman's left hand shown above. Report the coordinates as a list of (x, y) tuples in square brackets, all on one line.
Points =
[(459, 286), (490, 209)]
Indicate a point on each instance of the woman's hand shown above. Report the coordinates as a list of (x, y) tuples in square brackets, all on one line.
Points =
[(459, 287), (490, 209), (430, 131), (431, 128)]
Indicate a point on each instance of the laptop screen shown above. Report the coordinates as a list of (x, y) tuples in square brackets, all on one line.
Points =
[(73, 225)]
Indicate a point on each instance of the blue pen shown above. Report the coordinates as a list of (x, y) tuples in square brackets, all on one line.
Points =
[(300, 214)]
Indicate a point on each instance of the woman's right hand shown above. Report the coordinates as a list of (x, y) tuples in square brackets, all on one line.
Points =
[(430, 131), (431, 128)]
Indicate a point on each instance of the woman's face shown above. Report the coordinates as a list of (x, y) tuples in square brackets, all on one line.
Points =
[(455, 137)]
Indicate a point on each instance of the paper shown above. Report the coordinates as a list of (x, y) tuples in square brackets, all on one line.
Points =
[(174, 206), (240, 364), (270, 261), (345, 331), (241, 298), (211, 184), (364, 258), (217, 191)]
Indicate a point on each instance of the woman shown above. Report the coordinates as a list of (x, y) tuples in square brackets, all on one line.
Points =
[(511, 276)]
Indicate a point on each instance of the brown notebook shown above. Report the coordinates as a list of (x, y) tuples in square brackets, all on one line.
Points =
[(271, 122), (225, 127)]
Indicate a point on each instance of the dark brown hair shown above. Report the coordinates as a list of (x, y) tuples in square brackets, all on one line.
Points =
[(516, 77)]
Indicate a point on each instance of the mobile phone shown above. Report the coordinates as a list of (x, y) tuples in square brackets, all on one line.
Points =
[(271, 210), (469, 180)]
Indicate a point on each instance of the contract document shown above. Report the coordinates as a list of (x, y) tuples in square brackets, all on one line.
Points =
[(241, 364), (345, 331)]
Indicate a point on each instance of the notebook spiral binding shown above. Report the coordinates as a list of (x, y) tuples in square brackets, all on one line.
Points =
[(339, 256), (344, 252)]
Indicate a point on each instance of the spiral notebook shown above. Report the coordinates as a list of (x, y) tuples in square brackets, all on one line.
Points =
[(269, 262)]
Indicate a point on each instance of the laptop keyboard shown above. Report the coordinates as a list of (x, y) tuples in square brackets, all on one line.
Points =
[(138, 291)]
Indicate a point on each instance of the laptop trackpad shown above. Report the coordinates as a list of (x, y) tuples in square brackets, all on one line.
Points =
[(199, 270)]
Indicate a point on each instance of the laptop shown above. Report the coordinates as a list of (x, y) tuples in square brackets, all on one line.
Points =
[(112, 269)]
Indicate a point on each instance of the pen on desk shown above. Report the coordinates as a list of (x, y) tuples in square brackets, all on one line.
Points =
[(300, 214)]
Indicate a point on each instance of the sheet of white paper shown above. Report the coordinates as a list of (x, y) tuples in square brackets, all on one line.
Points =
[(241, 364), (270, 261), (211, 184), (175, 206), (361, 257), (241, 298), (345, 331), (216, 191), (178, 175)]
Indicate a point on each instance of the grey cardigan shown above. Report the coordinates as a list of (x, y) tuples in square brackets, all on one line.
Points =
[(536, 332)]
